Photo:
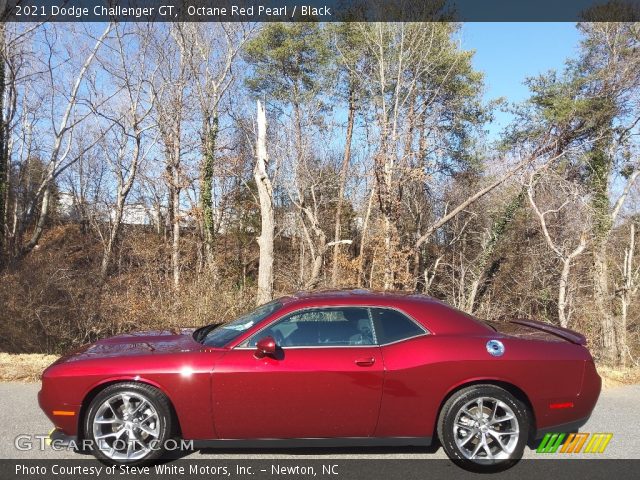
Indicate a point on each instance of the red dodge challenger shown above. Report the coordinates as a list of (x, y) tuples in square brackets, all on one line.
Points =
[(338, 368)]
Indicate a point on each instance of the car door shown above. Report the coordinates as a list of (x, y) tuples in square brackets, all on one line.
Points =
[(325, 379), (408, 396)]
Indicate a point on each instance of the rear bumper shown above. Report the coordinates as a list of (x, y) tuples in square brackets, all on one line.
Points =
[(569, 427)]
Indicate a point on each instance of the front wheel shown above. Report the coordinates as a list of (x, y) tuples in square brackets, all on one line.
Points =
[(128, 423), (484, 428)]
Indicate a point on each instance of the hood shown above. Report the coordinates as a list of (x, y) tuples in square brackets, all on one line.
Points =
[(140, 343)]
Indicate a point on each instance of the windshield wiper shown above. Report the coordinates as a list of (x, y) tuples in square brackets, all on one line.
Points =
[(202, 332)]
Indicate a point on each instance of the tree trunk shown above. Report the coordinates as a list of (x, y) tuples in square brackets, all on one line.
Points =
[(317, 246), (610, 346), (172, 142), (488, 270), (206, 191), (388, 256), (302, 254), (175, 226), (562, 292), (113, 238), (600, 165), (629, 287), (4, 160), (42, 221), (469, 303), (265, 194), (124, 187), (363, 236), (343, 180), (299, 156), (316, 268)]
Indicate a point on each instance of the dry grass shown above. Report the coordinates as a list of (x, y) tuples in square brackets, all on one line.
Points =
[(23, 367), (612, 378)]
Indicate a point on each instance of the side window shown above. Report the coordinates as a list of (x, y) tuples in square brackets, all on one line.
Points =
[(392, 326), (321, 328)]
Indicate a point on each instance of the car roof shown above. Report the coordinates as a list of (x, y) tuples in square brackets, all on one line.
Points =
[(356, 294), (436, 315)]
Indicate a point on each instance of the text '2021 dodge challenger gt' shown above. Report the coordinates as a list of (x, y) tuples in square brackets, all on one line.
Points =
[(327, 368)]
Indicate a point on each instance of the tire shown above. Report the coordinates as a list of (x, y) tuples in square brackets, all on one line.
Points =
[(128, 423), (476, 431)]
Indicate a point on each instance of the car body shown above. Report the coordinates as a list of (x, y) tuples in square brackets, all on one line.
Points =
[(330, 368)]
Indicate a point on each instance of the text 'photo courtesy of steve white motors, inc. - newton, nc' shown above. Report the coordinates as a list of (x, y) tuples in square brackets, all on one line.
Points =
[(173, 470), (68, 12)]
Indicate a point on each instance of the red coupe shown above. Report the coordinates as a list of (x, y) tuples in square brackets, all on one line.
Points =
[(327, 368)]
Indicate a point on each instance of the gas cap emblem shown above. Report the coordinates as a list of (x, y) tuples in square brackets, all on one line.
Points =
[(495, 348)]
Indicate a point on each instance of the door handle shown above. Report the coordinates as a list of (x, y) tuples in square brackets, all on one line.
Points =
[(365, 362)]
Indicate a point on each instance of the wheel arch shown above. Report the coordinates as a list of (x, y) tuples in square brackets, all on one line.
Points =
[(96, 389), (506, 385)]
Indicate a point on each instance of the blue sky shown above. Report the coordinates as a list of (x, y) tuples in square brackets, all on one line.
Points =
[(508, 53)]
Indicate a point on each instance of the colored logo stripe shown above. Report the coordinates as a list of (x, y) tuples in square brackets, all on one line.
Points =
[(574, 443), (551, 442), (598, 442)]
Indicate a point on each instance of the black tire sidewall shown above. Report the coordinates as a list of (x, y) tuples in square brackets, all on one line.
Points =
[(460, 398), (153, 396)]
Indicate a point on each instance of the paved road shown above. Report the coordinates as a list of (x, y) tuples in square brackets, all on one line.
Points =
[(616, 412)]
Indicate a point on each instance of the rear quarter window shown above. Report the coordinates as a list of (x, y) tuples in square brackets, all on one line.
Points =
[(393, 326)]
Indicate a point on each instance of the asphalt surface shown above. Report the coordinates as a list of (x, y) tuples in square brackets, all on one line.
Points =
[(617, 412)]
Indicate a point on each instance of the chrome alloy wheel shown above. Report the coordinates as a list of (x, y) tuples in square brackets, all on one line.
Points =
[(126, 426), (486, 430)]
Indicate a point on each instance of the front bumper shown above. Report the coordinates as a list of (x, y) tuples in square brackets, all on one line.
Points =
[(63, 415)]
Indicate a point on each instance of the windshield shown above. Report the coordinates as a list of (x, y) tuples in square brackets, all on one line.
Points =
[(221, 334)]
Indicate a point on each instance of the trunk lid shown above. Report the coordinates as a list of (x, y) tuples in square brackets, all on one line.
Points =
[(570, 335)]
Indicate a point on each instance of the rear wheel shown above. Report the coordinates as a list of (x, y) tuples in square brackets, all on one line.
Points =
[(128, 423), (484, 428)]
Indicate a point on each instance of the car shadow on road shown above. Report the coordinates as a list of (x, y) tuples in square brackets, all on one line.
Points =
[(320, 450), (305, 451)]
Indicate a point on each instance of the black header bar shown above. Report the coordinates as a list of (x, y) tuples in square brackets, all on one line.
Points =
[(319, 10)]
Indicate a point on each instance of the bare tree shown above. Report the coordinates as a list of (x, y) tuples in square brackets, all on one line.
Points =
[(566, 250), (344, 170), (265, 194), (59, 157), (131, 120), (613, 338), (350, 56), (4, 139), (363, 236), (314, 235), (212, 57), (629, 286), (169, 99)]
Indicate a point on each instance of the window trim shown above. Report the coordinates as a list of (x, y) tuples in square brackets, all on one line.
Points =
[(425, 331)]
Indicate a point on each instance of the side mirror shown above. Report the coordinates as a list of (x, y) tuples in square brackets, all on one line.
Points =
[(265, 347)]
